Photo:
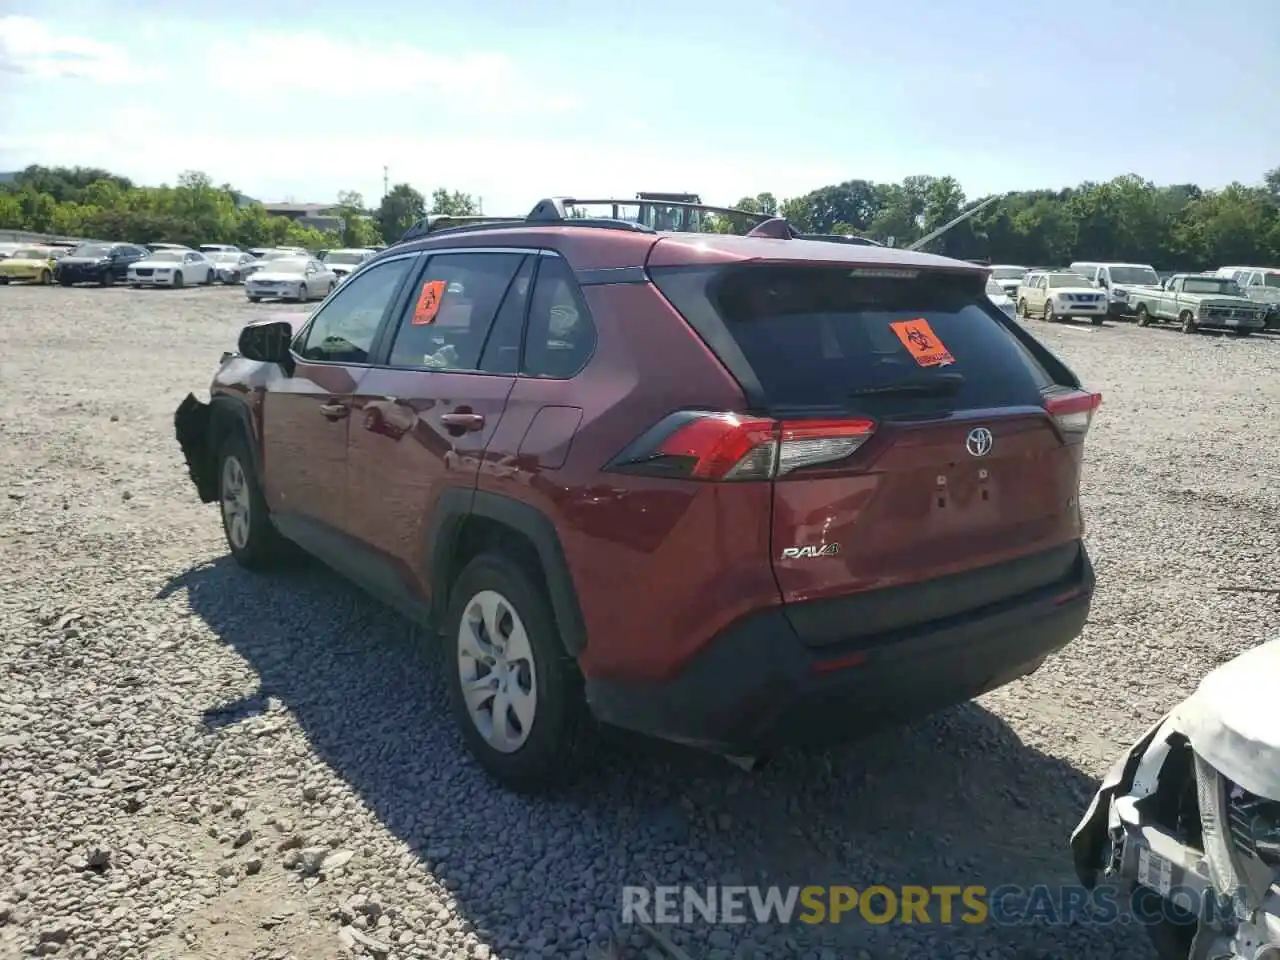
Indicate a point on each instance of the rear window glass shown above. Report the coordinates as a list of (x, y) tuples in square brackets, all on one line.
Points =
[(821, 337)]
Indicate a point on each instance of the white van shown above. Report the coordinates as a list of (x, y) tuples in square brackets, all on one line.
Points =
[(1116, 279)]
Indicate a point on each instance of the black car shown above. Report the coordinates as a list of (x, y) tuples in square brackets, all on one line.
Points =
[(100, 263)]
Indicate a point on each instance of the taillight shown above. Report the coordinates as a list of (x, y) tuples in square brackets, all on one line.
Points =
[(701, 445), (1073, 411)]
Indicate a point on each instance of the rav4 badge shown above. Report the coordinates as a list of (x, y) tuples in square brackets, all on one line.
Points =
[(802, 553)]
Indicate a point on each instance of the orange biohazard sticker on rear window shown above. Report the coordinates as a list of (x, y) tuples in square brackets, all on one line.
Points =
[(922, 343), (428, 305)]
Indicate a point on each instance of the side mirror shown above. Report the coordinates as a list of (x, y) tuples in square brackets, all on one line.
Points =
[(267, 342)]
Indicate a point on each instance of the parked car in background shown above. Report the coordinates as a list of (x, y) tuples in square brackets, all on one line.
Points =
[(291, 278), (1193, 300), (171, 268), (1009, 276), (267, 254), (1000, 298), (1061, 295), (1187, 822), (1119, 280), (1258, 283), (343, 261), (96, 262), (153, 247), (7, 249), (230, 264), (208, 248), (33, 264), (474, 431)]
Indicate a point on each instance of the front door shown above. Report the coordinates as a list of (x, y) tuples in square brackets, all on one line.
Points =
[(306, 415), (424, 417)]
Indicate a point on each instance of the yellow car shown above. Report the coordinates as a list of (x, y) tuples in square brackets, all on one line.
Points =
[(28, 263)]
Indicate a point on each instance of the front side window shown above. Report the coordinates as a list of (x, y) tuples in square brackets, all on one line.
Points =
[(344, 329), (447, 320)]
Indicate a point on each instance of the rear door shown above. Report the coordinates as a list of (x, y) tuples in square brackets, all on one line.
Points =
[(425, 415), (956, 465)]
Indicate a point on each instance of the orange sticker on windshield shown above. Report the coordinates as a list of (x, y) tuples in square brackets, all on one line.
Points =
[(428, 305), (922, 343)]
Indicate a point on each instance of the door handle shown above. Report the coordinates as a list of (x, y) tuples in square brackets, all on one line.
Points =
[(459, 420), (334, 411)]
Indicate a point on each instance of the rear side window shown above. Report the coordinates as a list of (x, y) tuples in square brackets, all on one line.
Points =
[(823, 338), (561, 336)]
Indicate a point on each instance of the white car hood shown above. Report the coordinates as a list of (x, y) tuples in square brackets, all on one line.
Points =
[(1232, 720), (158, 264)]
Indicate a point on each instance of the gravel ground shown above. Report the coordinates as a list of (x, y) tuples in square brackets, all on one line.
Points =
[(200, 762)]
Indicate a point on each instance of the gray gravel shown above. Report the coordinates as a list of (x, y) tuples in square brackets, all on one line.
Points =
[(195, 761)]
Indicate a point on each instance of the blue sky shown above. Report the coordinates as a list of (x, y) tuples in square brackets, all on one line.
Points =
[(515, 100)]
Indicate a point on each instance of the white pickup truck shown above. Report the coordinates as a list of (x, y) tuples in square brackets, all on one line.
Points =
[(1195, 300)]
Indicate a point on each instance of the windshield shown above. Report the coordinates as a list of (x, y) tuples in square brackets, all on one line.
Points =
[(277, 254), (288, 266), (1138, 275), (342, 256), (1212, 285), (31, 253), (224, 256), (93, 250), (1067, 280), (1007, 273), (167, 256), (994, 289)]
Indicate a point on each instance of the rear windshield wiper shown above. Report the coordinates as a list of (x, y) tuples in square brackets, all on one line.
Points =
[(943, 385)]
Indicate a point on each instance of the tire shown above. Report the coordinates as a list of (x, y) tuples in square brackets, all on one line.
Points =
[(253, 541), (1188, 321), (255, 299), (549, 748), (1143, 317), (332, 287), (107, 279), (1172, 934), (1048, 312), (178, 281), (1096, 321), (135, 286), (1022, 309), (4, 281), (46, 278), (208, 279), (64, 282), (303, 293)]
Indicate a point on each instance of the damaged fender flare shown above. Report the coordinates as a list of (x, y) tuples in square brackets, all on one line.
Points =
[(200, 429)]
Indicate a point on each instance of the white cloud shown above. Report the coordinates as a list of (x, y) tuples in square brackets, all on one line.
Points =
[(29, 46), (312, 62)]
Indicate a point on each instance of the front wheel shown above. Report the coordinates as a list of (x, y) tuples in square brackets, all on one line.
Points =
[(515, 692), (252, 538), (302, 293), (46, 278), (107, 278), (208, 279), (255, 299), (1144, 317), (1022, 309), (1048, 312), (1188, 320), (64, 282), (4, 281), (177, 280)]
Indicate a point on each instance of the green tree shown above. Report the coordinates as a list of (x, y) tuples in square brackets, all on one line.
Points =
[(455, 204), (400, 209), (358, 228)]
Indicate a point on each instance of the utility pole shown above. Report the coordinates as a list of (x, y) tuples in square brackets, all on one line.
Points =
[(385, 189), (479, 204)]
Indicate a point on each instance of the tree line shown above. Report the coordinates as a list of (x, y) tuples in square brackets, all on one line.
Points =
[(1177, 227)]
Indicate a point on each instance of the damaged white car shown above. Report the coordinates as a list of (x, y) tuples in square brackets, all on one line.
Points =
[(1189, 819)]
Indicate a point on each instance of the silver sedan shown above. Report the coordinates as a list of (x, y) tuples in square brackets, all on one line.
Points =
[(292, 278)]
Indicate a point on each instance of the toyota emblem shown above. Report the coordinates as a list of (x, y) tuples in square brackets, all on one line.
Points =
[(978, 443)]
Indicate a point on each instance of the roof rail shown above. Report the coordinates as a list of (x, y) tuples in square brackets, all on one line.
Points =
[(556, 209), (435, 222)]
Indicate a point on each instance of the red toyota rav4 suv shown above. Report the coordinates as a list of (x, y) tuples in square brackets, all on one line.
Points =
[(733, 491)]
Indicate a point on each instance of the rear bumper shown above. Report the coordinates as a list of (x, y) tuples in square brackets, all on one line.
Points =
[(191, 425), (757, 686)]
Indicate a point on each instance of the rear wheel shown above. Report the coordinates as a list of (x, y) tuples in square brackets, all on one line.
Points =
[(302, 293), (63, 281), (4, 281), (253, 540), (1144, 318), (1188, 321), (177, 279), (515, 692), (1022, 309), (1048, 312), (1097, 321), (208, 278), (46, 278)]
